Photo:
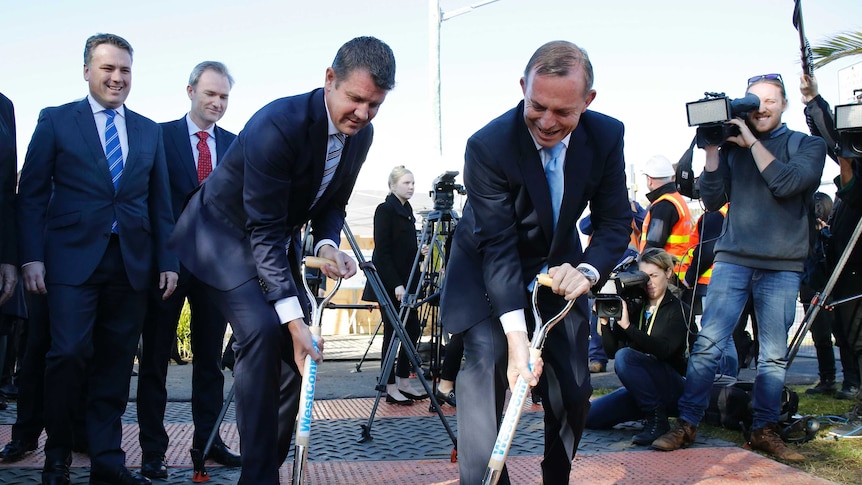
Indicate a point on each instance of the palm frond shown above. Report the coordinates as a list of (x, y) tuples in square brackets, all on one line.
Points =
[(840, 45)]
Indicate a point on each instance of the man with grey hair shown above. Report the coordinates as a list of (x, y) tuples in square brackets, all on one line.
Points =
[(194, 146), (530, 174)]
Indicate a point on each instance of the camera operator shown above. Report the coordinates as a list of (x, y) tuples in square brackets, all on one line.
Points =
[(768, 174), (648, 346), (845, 215)]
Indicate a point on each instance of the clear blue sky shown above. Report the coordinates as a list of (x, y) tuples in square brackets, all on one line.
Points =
[(650, 59)]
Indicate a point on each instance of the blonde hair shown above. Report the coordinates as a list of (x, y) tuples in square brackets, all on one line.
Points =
[(658, 257), (396, 174)]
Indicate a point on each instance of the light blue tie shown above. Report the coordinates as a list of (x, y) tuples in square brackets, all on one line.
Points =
[(114, 153), (334, 145), (554, 174)]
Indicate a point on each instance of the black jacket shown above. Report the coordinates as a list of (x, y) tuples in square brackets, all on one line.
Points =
[(667, 341), (395, 246)]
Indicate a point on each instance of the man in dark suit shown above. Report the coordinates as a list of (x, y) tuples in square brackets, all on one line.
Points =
[(8, 181), (240, 236), (94, 226), (519, 221), (193, 147)]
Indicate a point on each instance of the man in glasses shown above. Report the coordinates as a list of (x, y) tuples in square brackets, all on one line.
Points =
[(769, 174)]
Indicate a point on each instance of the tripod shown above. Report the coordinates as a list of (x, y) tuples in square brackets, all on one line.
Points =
[(819, 299), (436, 234), (400, 335)]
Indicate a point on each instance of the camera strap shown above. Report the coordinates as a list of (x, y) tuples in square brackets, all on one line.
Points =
[(651, 319)]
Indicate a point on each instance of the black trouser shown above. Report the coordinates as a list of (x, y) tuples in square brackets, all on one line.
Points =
[(402, 367), (159, 336), (95, 328)]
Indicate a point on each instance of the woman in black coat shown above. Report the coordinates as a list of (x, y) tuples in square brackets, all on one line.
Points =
[(648, 345), (395, 249)]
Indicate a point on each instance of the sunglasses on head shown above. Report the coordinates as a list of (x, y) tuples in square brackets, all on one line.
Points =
[(767, 77)]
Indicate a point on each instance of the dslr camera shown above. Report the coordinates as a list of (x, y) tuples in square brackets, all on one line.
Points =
[(710, 114), (626, 284), (848, 123), (443, 191)]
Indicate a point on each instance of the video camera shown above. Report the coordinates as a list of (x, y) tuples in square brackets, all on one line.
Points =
[(710, 114), (626, 283), (444, 190), (848, 123)]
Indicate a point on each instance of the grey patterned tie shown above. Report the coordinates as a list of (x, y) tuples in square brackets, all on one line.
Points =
[(333, 156)]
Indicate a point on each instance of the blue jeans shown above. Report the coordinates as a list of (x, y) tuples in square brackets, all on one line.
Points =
[(647, 385), (774, 296)]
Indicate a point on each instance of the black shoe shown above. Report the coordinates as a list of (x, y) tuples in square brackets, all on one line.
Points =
[(221, 454), (153, 465), (56, 472), (448, 398), (16, 449), (415, 397), (120, 476), (179, 360), (655, 426), (392, 400), (847, 393), (824, 386)]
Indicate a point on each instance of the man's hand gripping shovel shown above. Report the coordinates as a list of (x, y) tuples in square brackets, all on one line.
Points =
[(519, 395)]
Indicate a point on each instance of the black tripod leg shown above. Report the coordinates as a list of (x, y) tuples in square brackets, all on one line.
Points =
[(370, 342)]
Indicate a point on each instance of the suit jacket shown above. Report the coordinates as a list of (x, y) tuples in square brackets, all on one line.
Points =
[(182, 170), (8, 181), (67, 202), (251, 209), (506, 234)]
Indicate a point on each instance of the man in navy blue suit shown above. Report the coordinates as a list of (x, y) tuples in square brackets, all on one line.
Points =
[(8, 178), (295, 161), (93, 239), (193, 147), (512, 228)]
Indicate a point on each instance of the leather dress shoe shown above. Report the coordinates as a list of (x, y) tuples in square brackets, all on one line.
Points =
[(16, 449), (400, 402), (153, 465), (448, 398), (56, 472), (220, 453), (120, 476), (415, 397)]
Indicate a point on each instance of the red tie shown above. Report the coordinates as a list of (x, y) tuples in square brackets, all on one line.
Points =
[(205, 159)]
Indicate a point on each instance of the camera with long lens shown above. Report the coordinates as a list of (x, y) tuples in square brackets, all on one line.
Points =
[(626, 284), (848, 123), (710, 114), (443, 191)]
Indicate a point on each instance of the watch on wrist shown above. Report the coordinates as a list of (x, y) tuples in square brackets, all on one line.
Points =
[(589, 275)]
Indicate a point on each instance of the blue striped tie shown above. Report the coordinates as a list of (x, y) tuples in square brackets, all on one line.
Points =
[(333, 156), (114, 153), (554, 174)]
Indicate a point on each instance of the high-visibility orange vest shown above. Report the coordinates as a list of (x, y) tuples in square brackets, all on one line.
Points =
[(679, 240), (704, 278)]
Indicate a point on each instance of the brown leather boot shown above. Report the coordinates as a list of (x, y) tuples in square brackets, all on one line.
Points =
[(768, 439), (681, 434)]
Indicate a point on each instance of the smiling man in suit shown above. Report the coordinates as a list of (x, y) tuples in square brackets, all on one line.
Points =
[(295, 161), (95, 215), (530, 174), (194, 145)]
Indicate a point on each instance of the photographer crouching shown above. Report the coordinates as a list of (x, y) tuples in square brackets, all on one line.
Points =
[(648, 344)]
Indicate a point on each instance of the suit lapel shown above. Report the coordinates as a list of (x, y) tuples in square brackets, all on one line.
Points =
[(133, 133), (534, 176), (179, 134), (90, 135)]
